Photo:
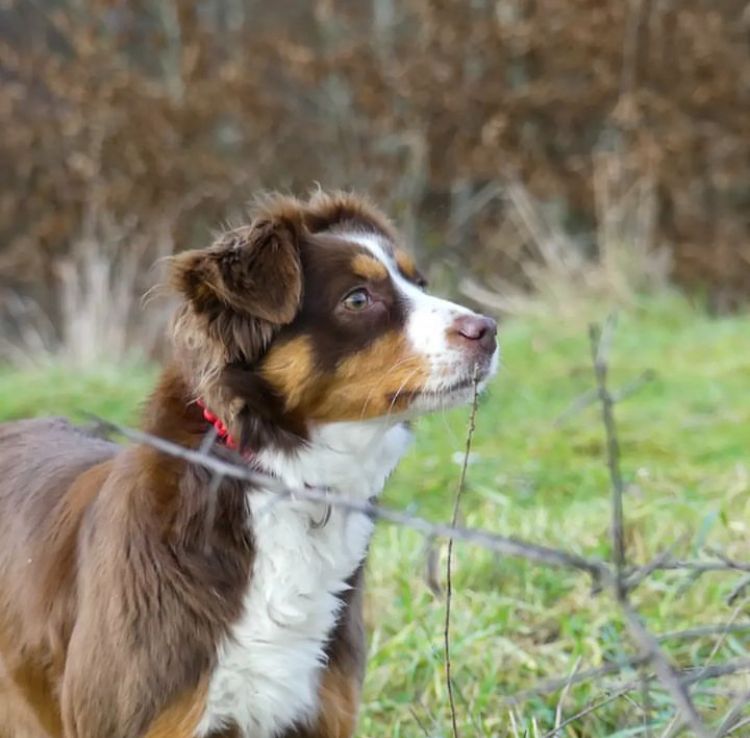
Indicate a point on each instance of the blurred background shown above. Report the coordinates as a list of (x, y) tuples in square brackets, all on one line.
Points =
[(548, 161), (501, 134)]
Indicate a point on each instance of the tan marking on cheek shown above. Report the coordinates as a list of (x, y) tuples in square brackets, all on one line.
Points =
[(368, 267), (181, 718), (371, 383), (406, 264), (289, 369)]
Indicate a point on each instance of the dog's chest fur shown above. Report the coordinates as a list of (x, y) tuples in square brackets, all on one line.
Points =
[(267, 674)]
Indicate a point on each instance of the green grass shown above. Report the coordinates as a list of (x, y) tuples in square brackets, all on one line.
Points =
[(685, 440)]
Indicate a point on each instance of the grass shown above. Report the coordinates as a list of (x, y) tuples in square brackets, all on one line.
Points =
[(685, 440)]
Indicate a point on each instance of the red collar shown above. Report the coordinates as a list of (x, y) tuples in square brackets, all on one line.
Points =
[(221, 430)]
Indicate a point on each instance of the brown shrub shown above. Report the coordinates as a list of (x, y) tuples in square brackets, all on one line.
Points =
[(159, 111)]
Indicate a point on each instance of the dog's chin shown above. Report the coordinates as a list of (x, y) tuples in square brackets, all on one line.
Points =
[(454, 391)]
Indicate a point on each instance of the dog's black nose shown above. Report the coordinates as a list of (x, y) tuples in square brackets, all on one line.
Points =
[(478, 330)]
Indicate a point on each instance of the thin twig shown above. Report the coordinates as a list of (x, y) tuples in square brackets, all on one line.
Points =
[(600, 343), (549, 686), (738, 590), (704, 566), (672, 727), (667, 675), (688, 675), (449, 558), (700, 631), (648, 705), (718, 645), (703, 674), (419, 722), (589, 397), (742, 724), (719, 554), (733, 715), (656, 564), (208, 440)]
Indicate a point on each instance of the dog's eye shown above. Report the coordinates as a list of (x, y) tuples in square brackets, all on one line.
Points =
[(357, 300)]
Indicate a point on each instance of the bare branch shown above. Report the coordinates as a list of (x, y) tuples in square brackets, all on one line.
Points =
[(700, 631), (601, 341), (593, 707), (688, 676), (648, 704), (733, 715), (591, 396), (643, 572), (505, 545), (741, 724), (738, 590), (665, 672), (600, 344)]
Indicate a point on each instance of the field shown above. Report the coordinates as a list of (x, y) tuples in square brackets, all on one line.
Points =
[(685, 438)]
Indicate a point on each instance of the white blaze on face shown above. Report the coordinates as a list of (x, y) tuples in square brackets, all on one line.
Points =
[(428, 326)]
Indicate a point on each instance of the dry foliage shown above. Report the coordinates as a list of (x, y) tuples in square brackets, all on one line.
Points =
[(162, 112)]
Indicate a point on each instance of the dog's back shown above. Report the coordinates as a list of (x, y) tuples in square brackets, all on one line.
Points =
[(40, 514)]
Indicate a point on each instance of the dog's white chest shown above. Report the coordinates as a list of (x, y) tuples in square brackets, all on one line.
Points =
[(268, 671)]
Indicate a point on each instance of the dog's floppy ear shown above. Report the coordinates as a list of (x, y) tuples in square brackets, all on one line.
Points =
[(253, 271)]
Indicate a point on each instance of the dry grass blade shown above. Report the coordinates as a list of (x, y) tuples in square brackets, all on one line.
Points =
[(724, 633), (563, 697), (449, 557), (593, 707), (418, 721)]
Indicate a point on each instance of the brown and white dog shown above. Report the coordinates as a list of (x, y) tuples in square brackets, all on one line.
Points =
[(138, 596)]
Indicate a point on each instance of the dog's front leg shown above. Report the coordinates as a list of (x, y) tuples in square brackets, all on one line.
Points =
[(103, 694), (341, 680)]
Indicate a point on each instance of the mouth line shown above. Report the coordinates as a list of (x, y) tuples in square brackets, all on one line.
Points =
[(451, 388), (446, 391)]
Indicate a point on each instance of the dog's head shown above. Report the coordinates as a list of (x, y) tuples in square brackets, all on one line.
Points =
[(313, 314)]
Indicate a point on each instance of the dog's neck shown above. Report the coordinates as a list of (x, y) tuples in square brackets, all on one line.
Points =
[(353, 458)]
